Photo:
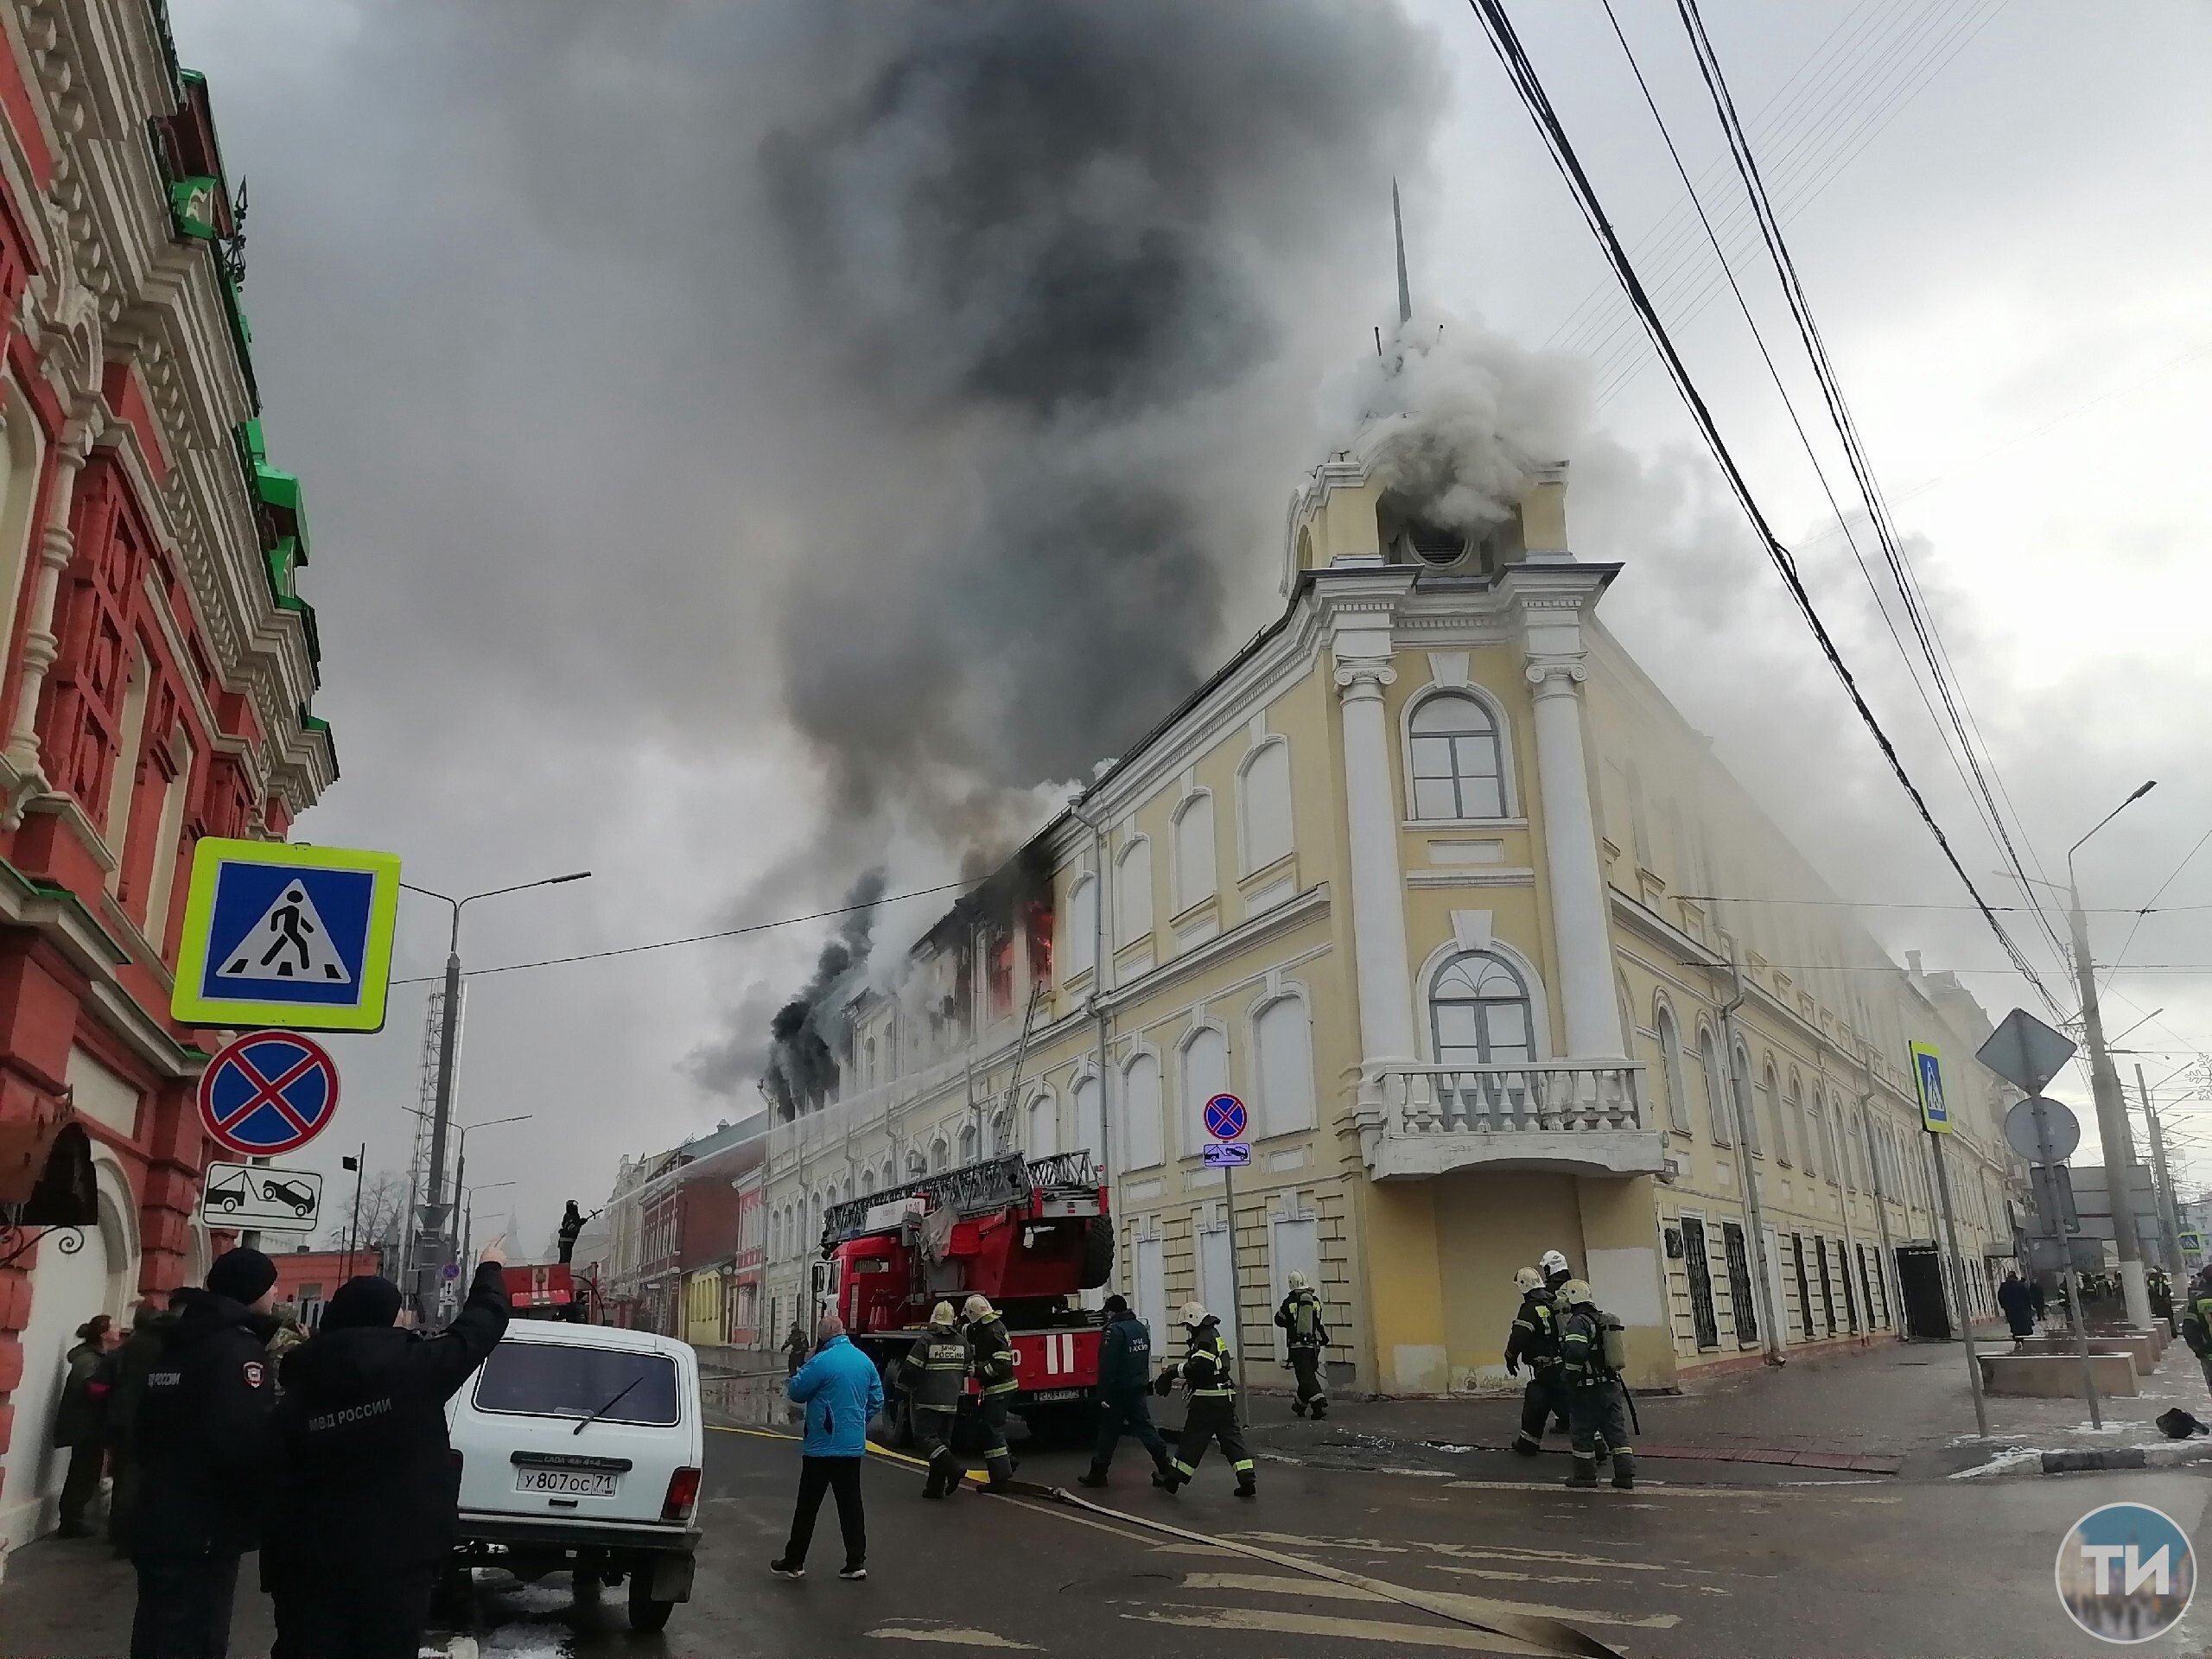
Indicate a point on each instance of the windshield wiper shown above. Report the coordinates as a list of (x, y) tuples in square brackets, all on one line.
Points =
[(609, 1406)]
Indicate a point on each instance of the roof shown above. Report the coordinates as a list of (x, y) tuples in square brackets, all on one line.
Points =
[(593, 1335)]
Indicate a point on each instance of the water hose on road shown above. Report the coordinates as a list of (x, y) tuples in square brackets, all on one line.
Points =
[(1549, 1636)]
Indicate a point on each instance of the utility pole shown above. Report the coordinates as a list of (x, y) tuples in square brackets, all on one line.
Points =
[(2177, 1273), (353, 1227), (2104, 1083)]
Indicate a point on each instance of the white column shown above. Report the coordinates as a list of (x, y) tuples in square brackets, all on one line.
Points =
[(1378, 901), (1578, 890)]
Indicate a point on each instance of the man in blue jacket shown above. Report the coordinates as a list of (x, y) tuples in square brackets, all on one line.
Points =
[(841, 1391)]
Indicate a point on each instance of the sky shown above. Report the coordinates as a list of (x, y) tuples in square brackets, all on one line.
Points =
[(749, 446)]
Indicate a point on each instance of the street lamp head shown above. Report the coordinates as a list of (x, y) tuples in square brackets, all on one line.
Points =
[(2144, 790), (585, 875)]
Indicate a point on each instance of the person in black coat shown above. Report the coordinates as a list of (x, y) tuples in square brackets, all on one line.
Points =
[(2020, 1307), (80, 1424), (363, 1512), (201, 1433)]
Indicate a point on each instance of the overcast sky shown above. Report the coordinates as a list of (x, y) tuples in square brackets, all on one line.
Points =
[(662, 395)]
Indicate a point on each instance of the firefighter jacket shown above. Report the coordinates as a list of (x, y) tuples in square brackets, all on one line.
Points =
[(1124, 1355), (1209, 1372), (202, 1430), (1534, 1340), (934, 1373), (366, 1478), (2197, 1322), (1301, 1315), (1582, 1349), (993, 1356)]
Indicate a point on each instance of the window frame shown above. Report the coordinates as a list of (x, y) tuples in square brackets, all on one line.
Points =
[(1501, 748)]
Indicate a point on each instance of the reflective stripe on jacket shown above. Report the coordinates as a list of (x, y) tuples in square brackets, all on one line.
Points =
[(994, 1352), (1208, 1370), (1535, 1336), (1582, 1348), (934, 1373), (1301, 1315)]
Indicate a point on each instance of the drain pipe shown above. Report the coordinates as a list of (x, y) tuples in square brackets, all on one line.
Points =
[(1098, 965), (1740, 1103)]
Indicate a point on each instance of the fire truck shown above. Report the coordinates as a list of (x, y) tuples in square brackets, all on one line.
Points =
[(549, 1290), (1029, 1234)]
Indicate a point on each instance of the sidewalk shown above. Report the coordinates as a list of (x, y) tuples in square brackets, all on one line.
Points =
[(1900, 1409)]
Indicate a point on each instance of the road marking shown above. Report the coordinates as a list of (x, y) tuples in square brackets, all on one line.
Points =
[(1479, 1606), (1659, 1489), (953, 1634), (1524, 1578), (1499, 1552), (1353, 1629)]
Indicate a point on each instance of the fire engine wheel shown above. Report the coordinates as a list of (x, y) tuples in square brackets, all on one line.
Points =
[(1098, 1257)]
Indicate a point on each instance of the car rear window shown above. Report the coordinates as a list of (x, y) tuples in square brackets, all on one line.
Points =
[(550, 1379)]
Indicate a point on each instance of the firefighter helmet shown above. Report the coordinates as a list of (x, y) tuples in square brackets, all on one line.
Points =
[(1528, 1279), (1553, 1261), (1297, 1280), (1193, 1315), (940, 1314), (978, 1307), (1577, 1293)]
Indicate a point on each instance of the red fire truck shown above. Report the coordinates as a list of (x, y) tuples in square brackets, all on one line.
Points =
[(1029, 1234), (549, 1290)]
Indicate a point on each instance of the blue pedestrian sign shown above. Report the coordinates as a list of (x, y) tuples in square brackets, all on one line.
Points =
[(1927, 1075), (1225, 1118), (1227, 1154), (280, 935)]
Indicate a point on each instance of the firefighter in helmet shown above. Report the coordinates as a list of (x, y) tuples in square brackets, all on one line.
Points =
[(1533, 1342), (1208, 1377), (992, 1358), (1301, 1317), (1589, 1366), (934, 1375)]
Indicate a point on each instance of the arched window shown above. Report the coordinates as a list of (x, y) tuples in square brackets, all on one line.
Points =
[(1459, 766), (1794, 1113), (939, 1154), (1670, 1070), (1282, 1042), (1818, 1128), (1708, 1054), (968, 1145), (1194, 873), (867, 1062), (890, 1175), (1205, 1074), (917, 1163), (867, 1182), (1739, 1085), (1141, 1112), (1133, 892), (1478, 1012), (1772, 1089), (1091, 1120), (1263, 788), (1079, 927), (1044, 1126)]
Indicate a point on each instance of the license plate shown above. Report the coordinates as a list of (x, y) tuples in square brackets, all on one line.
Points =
[(1060, 1394), (569, 1483)]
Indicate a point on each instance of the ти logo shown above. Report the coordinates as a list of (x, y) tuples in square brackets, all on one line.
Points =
[(2125, 1572)]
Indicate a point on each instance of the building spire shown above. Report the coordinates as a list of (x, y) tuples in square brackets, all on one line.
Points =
[(1405, 292)]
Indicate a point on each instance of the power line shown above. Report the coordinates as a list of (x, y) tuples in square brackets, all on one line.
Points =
[(694, 938), (1529, 86), (1885, 904), (2154, 898)]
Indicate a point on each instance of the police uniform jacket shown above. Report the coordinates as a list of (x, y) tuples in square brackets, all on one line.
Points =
[(366, 1480), (1301, 1315), (201, 1431), (1124, 1355), (934, 1373), (1534, 1338), (993, 1356)]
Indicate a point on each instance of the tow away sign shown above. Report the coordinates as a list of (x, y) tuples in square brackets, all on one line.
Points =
[(243, 1196)]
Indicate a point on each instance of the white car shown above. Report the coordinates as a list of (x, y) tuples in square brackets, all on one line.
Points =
[(579, 1447)]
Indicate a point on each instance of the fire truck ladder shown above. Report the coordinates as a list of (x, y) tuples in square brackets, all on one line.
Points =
[(972, 1189), (1021, 1052)]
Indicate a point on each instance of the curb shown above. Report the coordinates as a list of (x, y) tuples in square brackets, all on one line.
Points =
[(2012, 1465)]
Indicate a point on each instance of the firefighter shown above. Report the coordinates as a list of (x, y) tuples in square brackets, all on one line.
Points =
[(992, 1360), (1124, 1406), (203, 1435), (1209, 1377), (934, 1375), (1597, 1398), (1300, 1316), (2196, 1319), (1534, 1340), (1556, 1273)]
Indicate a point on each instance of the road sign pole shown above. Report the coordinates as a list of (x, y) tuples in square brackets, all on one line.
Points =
[(1959, 1283), (353, 1227), (1235, 1315), (2073, 1279)]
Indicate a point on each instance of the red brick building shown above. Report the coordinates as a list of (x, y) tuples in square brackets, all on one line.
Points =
[(306, 1278), (157, 674)]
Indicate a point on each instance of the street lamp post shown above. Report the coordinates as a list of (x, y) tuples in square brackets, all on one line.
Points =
[(468, 1212), (460, 1164), (436, 1212), (2104, 1084)]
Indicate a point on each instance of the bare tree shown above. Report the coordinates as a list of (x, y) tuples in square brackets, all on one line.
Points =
[(383, 1198)]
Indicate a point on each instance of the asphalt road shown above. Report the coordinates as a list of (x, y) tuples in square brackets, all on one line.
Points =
[(1677, 1568)]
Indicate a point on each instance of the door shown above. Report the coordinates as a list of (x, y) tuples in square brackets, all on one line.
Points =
[(1850, 1295), (1739, 1285), (1213, 1273), (1805, 1287), (1777, 1307), (1699, 1270), (68, 1286), (1152, 1289), (1828, 1290), (1920, 1283)]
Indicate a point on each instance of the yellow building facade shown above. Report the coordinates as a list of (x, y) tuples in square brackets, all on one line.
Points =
[(1436, 881)]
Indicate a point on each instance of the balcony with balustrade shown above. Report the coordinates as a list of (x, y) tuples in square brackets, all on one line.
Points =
[(1574, 1117)]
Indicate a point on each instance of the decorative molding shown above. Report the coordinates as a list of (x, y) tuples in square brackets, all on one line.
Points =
[(1473, 875)]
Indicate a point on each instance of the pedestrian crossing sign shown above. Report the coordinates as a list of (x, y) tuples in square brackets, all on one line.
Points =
[(1927, 1075), (282, 935)]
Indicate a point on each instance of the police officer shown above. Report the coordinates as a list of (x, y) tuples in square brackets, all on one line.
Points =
[(1208, 1377), (201, 1433), (1533, 1341), (1596, 1399), (992, 1353), (1124, 1408), (363, 1513), (934, 1375), (1300, 1316)]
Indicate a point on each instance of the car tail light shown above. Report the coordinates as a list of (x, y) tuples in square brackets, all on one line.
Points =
[(683, 1496)]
